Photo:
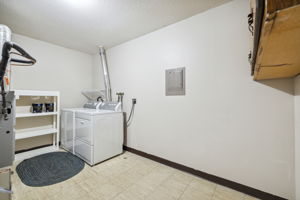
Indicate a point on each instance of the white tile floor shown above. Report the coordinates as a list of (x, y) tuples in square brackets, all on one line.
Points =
[(128, 177)]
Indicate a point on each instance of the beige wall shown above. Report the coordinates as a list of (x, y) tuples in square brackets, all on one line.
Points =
[(57, 68), (227, 124), (297, 136)]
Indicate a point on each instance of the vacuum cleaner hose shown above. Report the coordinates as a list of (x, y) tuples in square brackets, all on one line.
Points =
[(7, 46)]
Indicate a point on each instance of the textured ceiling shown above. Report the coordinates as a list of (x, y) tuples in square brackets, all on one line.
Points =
[(85, 24)]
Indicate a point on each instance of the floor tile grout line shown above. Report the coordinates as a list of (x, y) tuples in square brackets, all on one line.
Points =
[(185, 188), (130, 168), (214, 192), (161, 182), (134, 184), (109, 180), (168, 177), (244, 197), (109, 177)]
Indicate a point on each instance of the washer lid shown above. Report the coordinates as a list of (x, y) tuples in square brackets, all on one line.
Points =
[(95, 112), (92, 105), (75, 109)]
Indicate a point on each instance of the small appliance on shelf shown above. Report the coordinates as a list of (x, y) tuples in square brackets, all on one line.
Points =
[(37, 107), (49, 107)]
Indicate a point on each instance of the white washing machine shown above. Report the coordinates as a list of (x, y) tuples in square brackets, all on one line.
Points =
[(93, 133)]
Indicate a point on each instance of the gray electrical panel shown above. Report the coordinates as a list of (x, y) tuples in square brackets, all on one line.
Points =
[(175, 81)]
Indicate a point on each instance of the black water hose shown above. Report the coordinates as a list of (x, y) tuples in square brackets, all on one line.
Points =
[(23, 53), (128, 122), (7, 47), (100, 99)]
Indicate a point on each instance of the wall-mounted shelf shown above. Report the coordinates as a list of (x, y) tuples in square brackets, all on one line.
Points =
[(276, 39), (32, 128)]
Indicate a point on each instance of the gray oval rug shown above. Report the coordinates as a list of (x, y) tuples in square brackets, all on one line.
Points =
[(48, 169)]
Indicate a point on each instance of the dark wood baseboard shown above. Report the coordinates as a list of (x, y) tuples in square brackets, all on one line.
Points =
[(221, 181)]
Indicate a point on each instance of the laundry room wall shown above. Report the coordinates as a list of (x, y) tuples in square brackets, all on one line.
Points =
[(227, 124), (98, 79), (297, 136), (60, 69), (57, 68)]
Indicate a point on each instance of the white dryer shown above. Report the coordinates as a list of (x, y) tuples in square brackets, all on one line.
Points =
[(93, 133)]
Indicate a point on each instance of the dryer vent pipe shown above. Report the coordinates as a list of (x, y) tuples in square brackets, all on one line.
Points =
[(105, 73), (5, 36)]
